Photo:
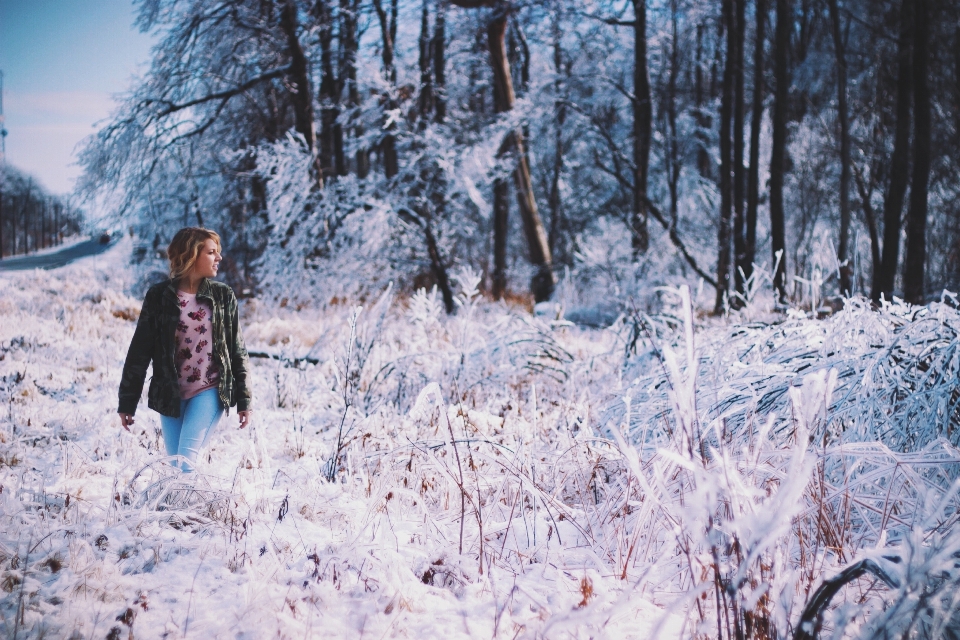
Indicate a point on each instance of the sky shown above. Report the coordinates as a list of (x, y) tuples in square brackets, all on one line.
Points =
[(62, 62)]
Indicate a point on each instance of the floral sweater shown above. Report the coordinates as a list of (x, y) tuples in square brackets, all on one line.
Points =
[(196, 370)]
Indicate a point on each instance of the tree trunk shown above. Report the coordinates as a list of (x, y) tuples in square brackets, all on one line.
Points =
[(703, 120), (429, 196), (778, 153), (349, 10), (501, 207), (300, 81), (388, 34), (726, 160), (869, 217), (642, 125), (913, 268), (739, 179), (559, 118), (543, 281), (425, 103), (331, 132), (756, 119), (438, 46), (883, 278), (839, 51), (13, 231), (672, 154), (1, 216)]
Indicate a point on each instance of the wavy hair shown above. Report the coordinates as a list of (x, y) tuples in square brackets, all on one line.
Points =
[(185, 248)]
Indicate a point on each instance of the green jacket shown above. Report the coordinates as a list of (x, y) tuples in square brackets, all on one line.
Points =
[(155, 339)]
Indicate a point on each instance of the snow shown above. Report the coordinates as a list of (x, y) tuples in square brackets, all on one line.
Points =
[(501, 475)]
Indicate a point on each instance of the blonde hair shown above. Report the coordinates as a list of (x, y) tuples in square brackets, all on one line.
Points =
[(185, 248)]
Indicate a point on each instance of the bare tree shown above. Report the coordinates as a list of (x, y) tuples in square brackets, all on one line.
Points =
[(332, 160), (778, 154), (756, 119), (642, 127), (388, 36), (559, 120), (544, 281), (349, 46), (300, 81), (883, 277), (916, 249), (839, 49), (738, 26), (726, 158), (439, 47)]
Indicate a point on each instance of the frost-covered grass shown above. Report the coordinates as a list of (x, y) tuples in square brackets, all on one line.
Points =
[(488, 475)]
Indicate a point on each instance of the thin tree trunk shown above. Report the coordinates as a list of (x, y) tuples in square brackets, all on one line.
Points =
[(300, 80), (559, 119), (439, 61), (439, 269), (839, 50), (883, 278), (703, 120), (437, 266), (388, 33), (25, 214), (331, 133), (432, 187), (756, 120), (349, 10), (13, 233), (726, 160), (642, 126), (916, 250), (870, 218), (778, 153), (501, 208), (425, 103), (739, 179), (672, 155), (543, 281)]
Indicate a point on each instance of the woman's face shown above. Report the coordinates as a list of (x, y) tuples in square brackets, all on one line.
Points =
[(208, 262)]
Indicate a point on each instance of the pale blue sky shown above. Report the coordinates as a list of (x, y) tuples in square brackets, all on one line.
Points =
[(63, 60)]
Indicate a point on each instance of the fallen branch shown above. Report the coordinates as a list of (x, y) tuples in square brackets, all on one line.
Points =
[(290, 362), (812, 617)]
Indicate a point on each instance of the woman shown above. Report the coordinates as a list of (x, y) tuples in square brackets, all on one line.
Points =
[(189, 328)]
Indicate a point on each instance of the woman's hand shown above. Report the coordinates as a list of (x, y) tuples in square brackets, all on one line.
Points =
[(126, 420), (245, 417)]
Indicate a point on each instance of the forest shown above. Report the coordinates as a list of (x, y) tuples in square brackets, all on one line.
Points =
[(567, 319), (637, 143)]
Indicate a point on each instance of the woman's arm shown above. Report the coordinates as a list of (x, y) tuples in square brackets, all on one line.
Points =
[(239, 361), (138, 359)]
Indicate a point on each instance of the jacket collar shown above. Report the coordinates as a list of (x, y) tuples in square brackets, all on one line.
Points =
[(203, 291)]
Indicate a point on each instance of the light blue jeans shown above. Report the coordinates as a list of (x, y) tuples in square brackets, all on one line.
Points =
[(186, 435)]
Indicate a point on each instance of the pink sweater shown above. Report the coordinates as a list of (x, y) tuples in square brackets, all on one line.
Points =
[(196, 370)]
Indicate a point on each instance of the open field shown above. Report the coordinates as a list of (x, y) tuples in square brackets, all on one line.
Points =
[(484, 475)]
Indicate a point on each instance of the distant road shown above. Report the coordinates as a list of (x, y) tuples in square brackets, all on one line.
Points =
[(56, 258)]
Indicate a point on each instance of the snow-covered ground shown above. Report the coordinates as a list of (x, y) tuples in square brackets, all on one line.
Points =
[(499, 475)]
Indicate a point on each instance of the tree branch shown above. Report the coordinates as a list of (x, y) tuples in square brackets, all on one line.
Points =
[(473, 4), (678, 243), (616, 22), (173, 107)]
